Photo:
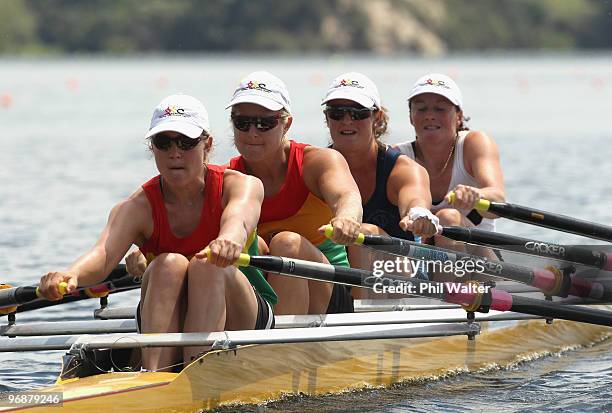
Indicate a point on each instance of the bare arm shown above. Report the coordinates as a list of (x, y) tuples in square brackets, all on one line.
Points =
[(125, 226), (408, 188), (482, 162), (328, 176), (242, 198)]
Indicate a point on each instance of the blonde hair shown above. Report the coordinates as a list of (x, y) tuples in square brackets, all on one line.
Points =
[(283, 119)]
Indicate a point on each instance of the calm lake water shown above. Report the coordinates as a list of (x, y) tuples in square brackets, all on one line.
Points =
[(72, 146)]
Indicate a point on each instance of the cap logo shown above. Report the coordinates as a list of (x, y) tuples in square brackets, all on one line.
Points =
[(173, 111), (253, 84), (432, 82), (349, 82)]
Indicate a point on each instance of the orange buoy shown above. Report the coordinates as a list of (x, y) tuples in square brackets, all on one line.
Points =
[(6, 100)]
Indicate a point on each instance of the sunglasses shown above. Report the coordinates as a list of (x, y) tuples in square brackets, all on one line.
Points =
[(262, 124), (184, 143), (338, 112)]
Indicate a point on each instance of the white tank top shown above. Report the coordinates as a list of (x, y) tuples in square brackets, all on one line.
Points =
[(459, 177)]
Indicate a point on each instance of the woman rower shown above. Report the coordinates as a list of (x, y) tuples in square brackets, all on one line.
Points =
[(191, 205), (305, 189), (458, 160), (394, 188)]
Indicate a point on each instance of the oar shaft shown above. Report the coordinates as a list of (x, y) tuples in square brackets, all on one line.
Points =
[(580, 255), (10, 297), (551, 310), (547, 220), (427, 252), (552, 283), (361, 278), (26, 297), (449, 292)]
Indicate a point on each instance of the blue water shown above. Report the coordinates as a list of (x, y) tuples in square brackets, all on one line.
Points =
[(72, 146)]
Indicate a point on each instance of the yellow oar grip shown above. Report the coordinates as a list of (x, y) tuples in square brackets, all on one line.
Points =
[(243, 261), (480, 205), (61, 287), (329, 232)]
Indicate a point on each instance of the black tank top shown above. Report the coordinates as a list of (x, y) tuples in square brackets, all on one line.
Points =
[(378, 210)]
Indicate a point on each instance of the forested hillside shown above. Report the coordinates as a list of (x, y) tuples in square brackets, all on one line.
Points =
[(431, 27)]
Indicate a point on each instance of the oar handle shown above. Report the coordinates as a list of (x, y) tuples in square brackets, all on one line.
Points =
[(61, 287), (480, 205), (329, 232), (12, 297), (242, 261)]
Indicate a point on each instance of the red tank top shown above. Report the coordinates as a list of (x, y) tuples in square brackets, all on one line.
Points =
[(162, 239), (292, 194), (294, 208)]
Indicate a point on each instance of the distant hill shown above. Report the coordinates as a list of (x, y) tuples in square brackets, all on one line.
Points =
[(430, 27)]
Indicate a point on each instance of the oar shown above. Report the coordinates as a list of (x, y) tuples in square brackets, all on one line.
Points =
[(28, 297), (466, 295), (552, 281), (545, 219), (577, 254)]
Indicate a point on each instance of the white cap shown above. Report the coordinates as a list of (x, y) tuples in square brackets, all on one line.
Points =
[(264, 89), (179, 113), (440, 85), (356, 87)]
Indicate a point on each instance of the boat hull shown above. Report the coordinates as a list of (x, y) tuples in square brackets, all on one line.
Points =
[(259, 373)]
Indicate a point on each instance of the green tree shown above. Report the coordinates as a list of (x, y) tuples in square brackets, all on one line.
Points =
[(17, 27)]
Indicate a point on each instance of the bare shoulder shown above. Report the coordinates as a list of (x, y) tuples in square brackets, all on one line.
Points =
[(405, 162), (407, 169), (233, 177), (236, 182), (326, 168), (131, 219), (481, 159), (136, 205), (314, 155), (478, 142)]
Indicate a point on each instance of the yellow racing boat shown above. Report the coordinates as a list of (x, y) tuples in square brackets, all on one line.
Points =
[(341, 352)]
